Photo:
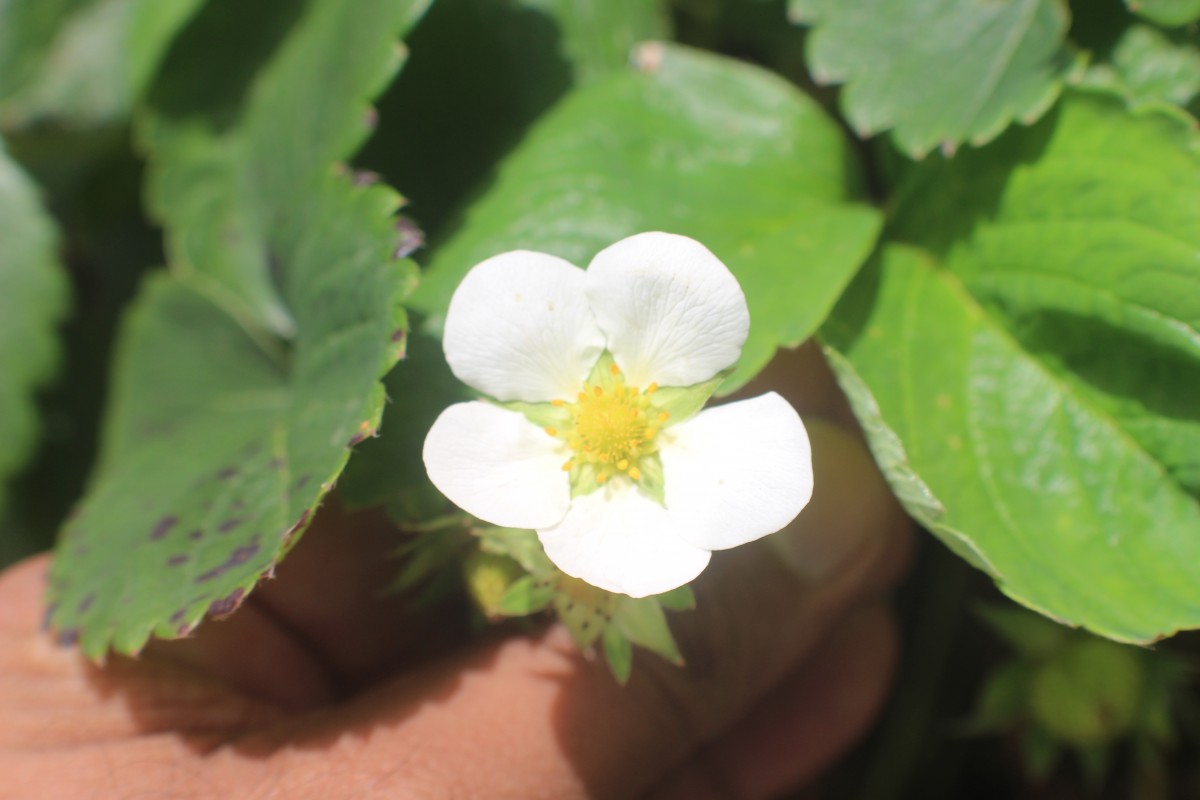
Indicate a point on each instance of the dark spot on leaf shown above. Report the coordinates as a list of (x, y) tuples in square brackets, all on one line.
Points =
[(175, 561), (196, 535), (303, 479), (237, 504), (230, 524), (276, 463), (69, 637), (86, 603), (398, 335), (185, 629), (50, 609), (227, 605), (238, 556), (162, 527), (177, 617), (409, 239), (227, 473), (583, 626)]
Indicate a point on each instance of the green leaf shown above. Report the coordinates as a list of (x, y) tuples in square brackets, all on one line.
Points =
[(389, 469), (1149, 65), (1041, 373), (1171, 13), (690, 143), (506, 64), (222, 436), (939, 72), (81, 62), (33, 298)]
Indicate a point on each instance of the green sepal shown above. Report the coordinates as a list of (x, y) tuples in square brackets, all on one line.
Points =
[(652, 482), (618, 652), (544, 415), (519, 544), (644, 623), (1004, 699), (490, 578), (527, 595), (679, 599), (684, 402), (585, 621), (1040, 752), (1029, 634), (583, 479)]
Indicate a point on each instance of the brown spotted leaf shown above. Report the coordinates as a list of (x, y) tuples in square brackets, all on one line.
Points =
[(244, 376)]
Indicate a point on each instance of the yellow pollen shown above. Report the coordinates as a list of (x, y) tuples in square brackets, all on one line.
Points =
[(567, 467), (612, 427), (662, 417), (557, 403), (652, 388)]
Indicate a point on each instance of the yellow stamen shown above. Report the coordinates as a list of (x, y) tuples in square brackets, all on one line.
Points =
[(652, 388), (614, 369), (567, 467), (598, 391), (662, 417), (623, 464), (635, 473), (551, 431), (557, 403)]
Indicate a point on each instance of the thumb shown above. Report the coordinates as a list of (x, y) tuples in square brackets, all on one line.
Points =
[(528, 718)]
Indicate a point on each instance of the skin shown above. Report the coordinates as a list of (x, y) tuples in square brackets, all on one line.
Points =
[(317, 688)]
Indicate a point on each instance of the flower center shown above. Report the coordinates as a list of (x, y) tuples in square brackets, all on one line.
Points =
[(612, 427)]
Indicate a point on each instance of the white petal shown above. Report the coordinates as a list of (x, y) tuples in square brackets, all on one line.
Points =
[(620, 540), (672, 312), (497, 465), (737, 472), (519, 328)]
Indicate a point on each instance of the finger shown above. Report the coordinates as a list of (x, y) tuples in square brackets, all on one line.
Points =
[(556, 725), (52, 697), (324, 626), (802, 725)]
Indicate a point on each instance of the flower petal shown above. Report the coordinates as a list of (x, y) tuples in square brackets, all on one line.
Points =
[(737, 472), (622, 541), (497, 465), (672, 312), (519, 328)]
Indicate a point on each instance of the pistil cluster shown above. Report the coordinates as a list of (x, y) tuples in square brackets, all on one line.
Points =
[(612, 427)]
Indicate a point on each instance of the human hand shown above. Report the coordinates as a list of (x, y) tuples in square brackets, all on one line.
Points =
[(318, 688)]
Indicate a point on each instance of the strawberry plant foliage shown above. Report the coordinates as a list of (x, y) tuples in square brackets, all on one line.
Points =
[(1035, 358), (81, 62), (938, 73), (246, 373), (33, 297)]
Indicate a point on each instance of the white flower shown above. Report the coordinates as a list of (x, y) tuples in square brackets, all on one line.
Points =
[(621, 494)]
